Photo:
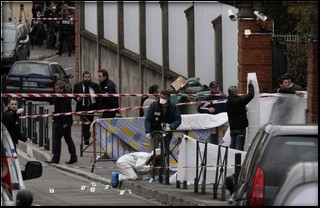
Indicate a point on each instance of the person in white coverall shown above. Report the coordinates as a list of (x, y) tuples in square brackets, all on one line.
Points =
[(132, 166)]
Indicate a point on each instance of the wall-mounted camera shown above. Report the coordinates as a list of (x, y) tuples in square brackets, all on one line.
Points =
[(260, 15), (232, 15)]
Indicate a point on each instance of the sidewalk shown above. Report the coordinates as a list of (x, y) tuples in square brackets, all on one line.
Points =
[(168, 194)]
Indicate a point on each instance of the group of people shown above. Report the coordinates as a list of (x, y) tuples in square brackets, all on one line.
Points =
[(63, 124), (160, 115), (57, 31)]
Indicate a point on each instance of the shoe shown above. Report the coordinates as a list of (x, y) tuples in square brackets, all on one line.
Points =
[(114, 179), (69, 54), (52, 161), (86, 142), (71, 161)]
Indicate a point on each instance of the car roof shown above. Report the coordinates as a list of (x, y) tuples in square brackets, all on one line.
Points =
[(291, 129), (36, 62), (299, 174)]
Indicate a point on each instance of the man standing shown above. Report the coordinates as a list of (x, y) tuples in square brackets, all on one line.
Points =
[(162, 115), (154, 89), (62, 126), (52, 26), (86, 103), (107, 86), (210, 106), (11, 121), (237, 115), (65, 31)]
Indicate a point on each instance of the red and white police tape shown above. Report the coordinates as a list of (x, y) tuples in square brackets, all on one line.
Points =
[(48, 95), (110, 110)]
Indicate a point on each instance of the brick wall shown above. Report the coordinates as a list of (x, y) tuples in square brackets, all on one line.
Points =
[(255, 55), (312, 82)]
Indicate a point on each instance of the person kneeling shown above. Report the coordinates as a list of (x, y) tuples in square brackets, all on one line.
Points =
[(132, 166)]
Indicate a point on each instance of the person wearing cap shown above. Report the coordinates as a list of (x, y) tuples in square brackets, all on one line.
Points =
[(133, 165), (215, 102)]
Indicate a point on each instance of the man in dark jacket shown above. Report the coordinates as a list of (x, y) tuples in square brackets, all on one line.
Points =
[(11, 121), (107, 86), (66, 31), (62, 126), (211, 106), (237, 115), (52, 26), (162, 115), (86, 103)]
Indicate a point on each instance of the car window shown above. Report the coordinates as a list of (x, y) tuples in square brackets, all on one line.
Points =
[(30, 68), (252, 155), (284, 151), (9, 36), (57, 70)]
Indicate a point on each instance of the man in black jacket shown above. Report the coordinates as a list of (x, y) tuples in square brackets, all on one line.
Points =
[(62, 126), (11, 121), (162, 115), (86, 103), (237, 115), (107, 86)]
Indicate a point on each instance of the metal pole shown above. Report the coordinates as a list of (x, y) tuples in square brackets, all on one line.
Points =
[(41, 129)]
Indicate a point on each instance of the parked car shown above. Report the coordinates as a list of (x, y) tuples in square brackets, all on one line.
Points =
[(12, 178), (300, 188), (15, 45), (274, 149), (37, 77)]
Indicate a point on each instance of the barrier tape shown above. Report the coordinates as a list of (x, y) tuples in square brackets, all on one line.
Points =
[(68, 95), (41, 18), (110, 110)]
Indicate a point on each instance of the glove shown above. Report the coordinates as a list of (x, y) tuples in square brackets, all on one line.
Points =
[(148, 135), (166, 127), (20, 110)]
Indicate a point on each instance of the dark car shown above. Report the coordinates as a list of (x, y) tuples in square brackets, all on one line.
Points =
[(15, 45), (13, 189), (37, 77), (274, 150), (300, 187)]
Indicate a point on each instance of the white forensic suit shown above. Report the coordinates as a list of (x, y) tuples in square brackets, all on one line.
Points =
[(132, 166)]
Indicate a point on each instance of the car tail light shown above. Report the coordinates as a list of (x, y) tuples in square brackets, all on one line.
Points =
[(5, 174), (50, 83), (257, 191), (8, 81)]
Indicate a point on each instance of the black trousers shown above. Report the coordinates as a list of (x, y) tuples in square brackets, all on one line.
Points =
[(60, 132), (86, 127)]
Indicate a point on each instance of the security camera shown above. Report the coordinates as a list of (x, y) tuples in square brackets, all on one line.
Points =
[(260, 16), (231, 15)]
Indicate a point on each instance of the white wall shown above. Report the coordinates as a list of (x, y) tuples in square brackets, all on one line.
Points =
[(178, 37), (131, 26), (90, 20), (205, 12), (110, 13), (154, 32)]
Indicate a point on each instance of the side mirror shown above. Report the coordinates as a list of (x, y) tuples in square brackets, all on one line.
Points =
[(32, 170)]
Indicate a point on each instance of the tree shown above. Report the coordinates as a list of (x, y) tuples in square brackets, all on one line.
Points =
[(293, 17)]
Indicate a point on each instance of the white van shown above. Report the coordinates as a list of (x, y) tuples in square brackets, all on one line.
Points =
[(12, 178)]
